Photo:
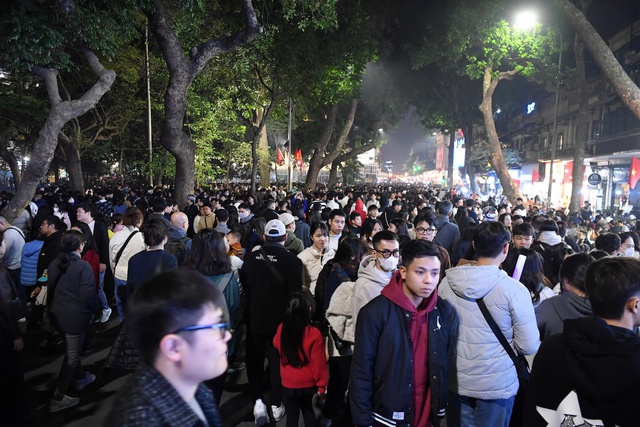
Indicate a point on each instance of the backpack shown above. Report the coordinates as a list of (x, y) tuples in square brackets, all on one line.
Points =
[(552, 258), (177, 248)]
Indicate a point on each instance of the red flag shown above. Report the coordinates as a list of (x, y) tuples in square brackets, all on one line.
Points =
[(536, 177), (279, 160), (568, 172), (634, 172), (299, 157), (517, 183)]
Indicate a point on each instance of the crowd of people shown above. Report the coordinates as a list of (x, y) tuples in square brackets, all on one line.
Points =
[(374, 306)]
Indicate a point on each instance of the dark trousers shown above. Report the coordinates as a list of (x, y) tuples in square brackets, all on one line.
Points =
[(13, 392), (259, 346), (299, 400), (71, 366), (335, 407)]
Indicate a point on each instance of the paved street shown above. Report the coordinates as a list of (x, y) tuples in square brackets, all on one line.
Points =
[(42, 366)]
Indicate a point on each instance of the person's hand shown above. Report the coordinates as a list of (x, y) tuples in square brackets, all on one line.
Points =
[(103, 267), (18, 344), (322, 398), (35, 292)]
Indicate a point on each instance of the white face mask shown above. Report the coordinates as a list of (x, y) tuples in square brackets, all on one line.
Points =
[(56, 209), (243, 215), (629, 252), (388, 264)]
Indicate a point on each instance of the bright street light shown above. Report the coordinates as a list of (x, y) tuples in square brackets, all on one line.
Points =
[(526, 20)]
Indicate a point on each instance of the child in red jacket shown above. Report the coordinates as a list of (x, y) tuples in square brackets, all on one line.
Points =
[(303, 365)]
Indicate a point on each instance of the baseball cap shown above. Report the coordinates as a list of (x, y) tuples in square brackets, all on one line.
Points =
[(275, 228), (286, 218)]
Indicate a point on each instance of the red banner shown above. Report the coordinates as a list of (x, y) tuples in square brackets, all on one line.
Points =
[(634, 172), (280, 158), (536, 177)]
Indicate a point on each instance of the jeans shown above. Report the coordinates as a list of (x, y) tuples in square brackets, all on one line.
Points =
[(71, 366), (101, 295), (471, 412), (120, 292), (258, 346)]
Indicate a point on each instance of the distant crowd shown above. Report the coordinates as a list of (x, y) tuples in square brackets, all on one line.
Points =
[(372, 305)]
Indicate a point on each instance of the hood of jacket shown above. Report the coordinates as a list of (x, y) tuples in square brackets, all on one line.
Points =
[(394, 293), (368, 271), (176, 233), (290, 237), (359, 205), (474, 281), (601, 360)]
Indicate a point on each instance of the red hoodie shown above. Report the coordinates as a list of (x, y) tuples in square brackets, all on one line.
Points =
[(360, 209), (418, 330)]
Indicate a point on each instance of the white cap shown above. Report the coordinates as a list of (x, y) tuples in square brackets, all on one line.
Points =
[(287, 218), (275, 228)]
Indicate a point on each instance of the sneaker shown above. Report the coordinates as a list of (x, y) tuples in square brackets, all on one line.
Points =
[(278, 412), (260, 413), (64, 403), (235, 367), (83, 383), (106, 313)]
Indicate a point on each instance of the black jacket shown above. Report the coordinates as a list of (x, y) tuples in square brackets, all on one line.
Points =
[(382, 367), (101, 236), (49, 252), (268, 297), (593, 368)]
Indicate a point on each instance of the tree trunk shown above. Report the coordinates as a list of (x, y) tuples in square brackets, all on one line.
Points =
[(182, 73), (470, 168), (582, 120), (342, 138), (489, 85), (10, 159), (315, 163), (263, 152), (254, 163), (73, 165), (61, 112), (333, 175), (626, 89)]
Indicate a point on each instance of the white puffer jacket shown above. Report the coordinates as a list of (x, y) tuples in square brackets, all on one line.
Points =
[(484, 369)]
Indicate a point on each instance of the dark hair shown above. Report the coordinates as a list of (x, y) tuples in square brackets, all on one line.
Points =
[(158, 204), (87, 207), (503, 216), (154, 231), (401, 226), (574, 268), (608, 242), (418, 249), (598, 253), (549, 225), (89, 241), (169, 301), (56, 222), (69, 242), (428, 218), (208, 253), (351, 250), (318, 225), (132, 217), (369, 225), (222, 215), (532, 273), (244, 206), (337, 212), (372, 207), (609, 283), (384, 235), (353, 215), (489, 238), (296, 319), (524, 229), (629, 234)]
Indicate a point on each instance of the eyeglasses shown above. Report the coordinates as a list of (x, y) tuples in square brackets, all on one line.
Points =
[(386, 253), (421, 230), (222, 329)]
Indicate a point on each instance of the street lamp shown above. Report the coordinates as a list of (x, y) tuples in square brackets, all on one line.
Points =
[(527, 20)]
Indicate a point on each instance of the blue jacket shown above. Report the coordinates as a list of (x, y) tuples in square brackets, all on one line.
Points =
[(30, 255)]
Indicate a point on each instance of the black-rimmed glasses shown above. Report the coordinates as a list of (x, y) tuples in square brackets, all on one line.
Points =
[(222, 328), (387, 253), (421, 230)]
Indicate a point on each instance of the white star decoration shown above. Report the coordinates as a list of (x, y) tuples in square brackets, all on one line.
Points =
[(568, 414)]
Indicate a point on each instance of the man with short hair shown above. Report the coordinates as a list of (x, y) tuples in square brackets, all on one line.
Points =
[(404, 343), (375, 270), (608, 242), (336, 223), (355, 224), (86, 213), (522, 236), (486, 381), (269, 275), (448, 232), (590, 372), (390, 213), (178, 328), (292, 244), (222, 216)]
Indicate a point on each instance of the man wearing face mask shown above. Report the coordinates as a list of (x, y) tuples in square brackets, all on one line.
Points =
[(375, 270), (244, 222)]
